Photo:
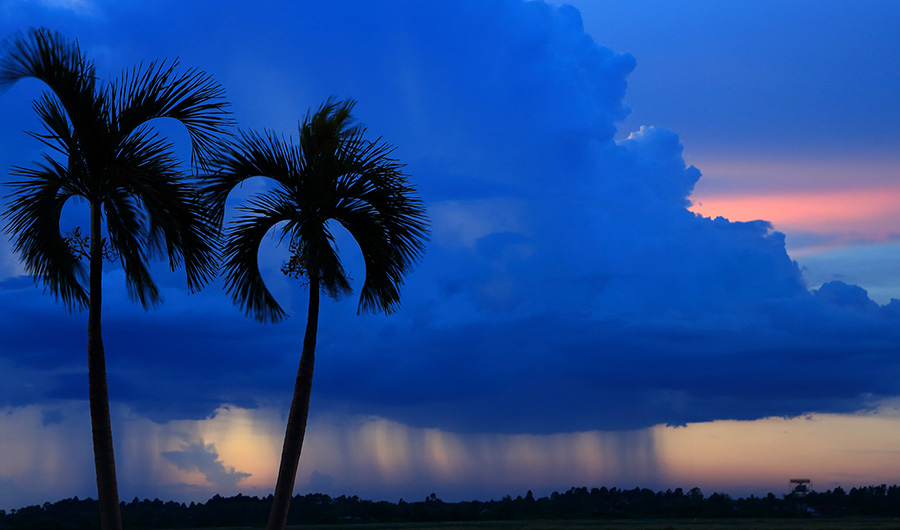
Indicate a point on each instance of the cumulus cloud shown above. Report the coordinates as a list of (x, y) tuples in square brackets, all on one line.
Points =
[(567, 286), (847, 296), (204, 458)]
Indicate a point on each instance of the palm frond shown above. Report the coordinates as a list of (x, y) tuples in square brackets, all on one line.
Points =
[(47, 56), (242, 275), (58, 134), (333, 172), (251, 155), (388, 255), (33, 214), (127, 226), (179, 225), (386, 218), (193, 98), (162, 213)]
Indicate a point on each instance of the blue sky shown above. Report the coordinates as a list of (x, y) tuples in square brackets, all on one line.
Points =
[(644, 214)]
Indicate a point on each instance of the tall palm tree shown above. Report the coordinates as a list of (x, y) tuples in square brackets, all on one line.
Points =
[(332, 175), (104, 151)]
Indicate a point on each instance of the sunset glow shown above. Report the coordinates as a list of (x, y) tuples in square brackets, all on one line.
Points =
[(831, 450), (738, 457)]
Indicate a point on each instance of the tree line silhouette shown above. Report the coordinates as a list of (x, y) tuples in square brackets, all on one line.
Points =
[(576, 503)]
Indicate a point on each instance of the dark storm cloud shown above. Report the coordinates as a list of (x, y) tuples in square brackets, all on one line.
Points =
[(574, 372), (154, 357), (566, 285)]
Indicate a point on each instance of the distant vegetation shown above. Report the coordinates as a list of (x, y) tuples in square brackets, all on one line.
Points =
[(577, 503)]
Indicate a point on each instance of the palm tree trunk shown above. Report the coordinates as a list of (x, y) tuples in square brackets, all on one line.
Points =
[(104, 459), (296, 425)]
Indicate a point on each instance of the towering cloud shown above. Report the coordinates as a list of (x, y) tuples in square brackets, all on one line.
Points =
[(566, 287)]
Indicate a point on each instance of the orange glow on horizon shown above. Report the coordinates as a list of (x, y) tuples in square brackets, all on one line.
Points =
[(831, 449), (382, 459)]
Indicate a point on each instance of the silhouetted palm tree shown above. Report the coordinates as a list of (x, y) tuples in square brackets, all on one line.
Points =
[(106, 153), (333, 174)]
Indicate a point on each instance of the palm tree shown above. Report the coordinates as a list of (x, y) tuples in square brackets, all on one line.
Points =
[(332, 175), (107, 154)]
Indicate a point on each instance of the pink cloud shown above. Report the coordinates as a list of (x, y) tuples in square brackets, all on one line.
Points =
[(869, 213)]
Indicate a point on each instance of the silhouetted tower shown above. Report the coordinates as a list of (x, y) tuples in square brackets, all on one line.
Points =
[(800, 487)]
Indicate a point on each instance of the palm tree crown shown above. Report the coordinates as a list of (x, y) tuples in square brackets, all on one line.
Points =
[(107, 154), (332, 174)]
